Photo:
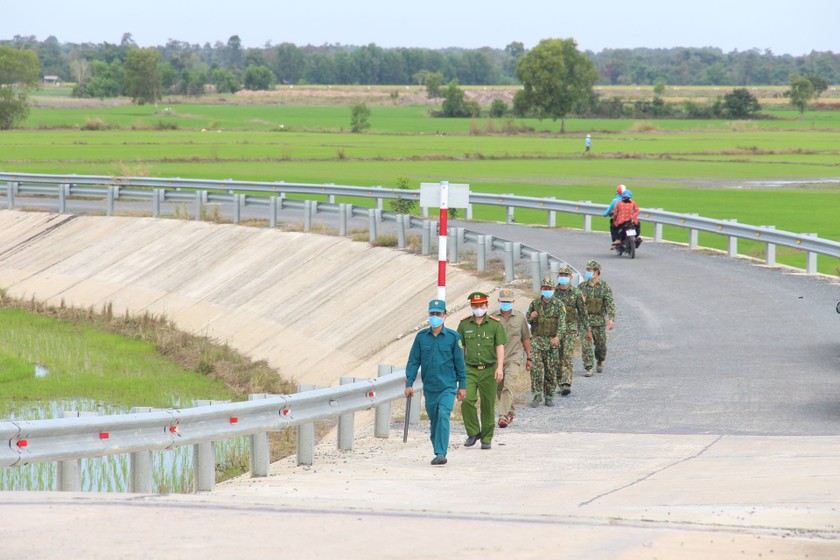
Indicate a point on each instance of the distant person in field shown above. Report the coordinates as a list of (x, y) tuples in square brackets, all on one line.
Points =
[(588, 144)]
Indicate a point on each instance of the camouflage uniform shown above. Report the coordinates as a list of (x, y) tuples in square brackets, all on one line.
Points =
[(600, 306), (577, 323), (550, 322)]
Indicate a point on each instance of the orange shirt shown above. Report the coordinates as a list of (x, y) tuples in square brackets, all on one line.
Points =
[(626, 211)]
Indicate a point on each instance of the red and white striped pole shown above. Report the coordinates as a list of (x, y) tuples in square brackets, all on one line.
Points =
[(444, 214)]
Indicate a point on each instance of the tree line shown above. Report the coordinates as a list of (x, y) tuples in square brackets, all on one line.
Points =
[(98, 70)]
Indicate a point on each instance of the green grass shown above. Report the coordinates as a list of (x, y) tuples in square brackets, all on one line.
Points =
[(85, 362)]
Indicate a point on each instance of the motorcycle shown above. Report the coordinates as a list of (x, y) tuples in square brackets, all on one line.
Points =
[(628, 239)]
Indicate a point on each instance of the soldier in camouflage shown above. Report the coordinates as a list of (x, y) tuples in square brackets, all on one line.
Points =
[(601, 309), (548, 323), (577, 323)]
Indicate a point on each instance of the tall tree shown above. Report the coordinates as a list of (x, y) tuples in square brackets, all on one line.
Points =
[(800, 93), (555, 78), (142, 76), (19, 73)]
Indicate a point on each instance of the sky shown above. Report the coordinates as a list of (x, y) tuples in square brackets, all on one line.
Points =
[(782, 26)]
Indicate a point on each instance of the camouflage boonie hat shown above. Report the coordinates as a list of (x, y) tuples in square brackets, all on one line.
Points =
[(565, 269), (593, 265), (547, 281)]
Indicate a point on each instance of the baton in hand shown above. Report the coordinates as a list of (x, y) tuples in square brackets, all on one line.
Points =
[(407, 416)]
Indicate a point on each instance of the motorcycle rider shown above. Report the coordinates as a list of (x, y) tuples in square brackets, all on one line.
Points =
[(626, 211)]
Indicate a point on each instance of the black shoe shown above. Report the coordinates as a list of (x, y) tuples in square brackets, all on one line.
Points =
[(485, 445), (565, 390), (471, 440), (439, 460)]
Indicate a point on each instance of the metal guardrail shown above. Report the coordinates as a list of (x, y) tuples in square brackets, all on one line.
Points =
[(67, 440), (243, 193)]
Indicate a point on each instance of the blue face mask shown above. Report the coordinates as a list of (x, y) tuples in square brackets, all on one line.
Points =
[(548, 294), (589, 275), (505, 306), (435, 321), (564, 280)]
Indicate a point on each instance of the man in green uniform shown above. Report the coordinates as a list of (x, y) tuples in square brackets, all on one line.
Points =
[(440, 353), (548, 323), (577, 323), (517, 353), (601, 310), (484, 352)]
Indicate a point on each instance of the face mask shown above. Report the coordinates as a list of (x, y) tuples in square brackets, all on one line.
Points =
[(435, 321), (564, 280), (479, 312), (548, 294), (506, 306), (589, 275)]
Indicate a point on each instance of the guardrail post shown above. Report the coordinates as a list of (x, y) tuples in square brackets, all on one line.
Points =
[(331, 198), (306, 435), (554, 268), (345, 422), (204, 461), (62, 198), (140, 477), (770, 251), (509, 262), (417, 404), (488, 244), (69, 472), (481, 255), (372, 224), (281, 198), (517, 250), (307, 216), (236, 206), (272, 212), (342, 219), (424, 211), (11, 191), (260, 455), (693, 236), (510, 216), (657, 229), (587, 219), (733, 242), (109, 201), (426, 238), (535, 272), (544, 265), (552, 215), (382, 411), (452, 245), (380, 205), (811, 266), (469, 212), (199, 198), (157, 196), (401, 241)]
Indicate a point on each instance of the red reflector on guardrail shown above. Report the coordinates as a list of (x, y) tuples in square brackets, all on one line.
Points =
[(234, 419), (104, 435), (173, 429), (371, 394), (284, 412), (22, 443)]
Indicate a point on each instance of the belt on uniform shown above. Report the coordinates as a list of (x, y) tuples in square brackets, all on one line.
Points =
[(484, 366)]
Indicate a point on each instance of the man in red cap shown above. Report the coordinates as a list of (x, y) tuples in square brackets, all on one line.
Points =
[(484, 353)]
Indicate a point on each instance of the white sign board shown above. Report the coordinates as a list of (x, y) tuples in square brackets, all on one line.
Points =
[(458, 195)]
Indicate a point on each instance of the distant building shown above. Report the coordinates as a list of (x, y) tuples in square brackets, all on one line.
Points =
[(52, 81)]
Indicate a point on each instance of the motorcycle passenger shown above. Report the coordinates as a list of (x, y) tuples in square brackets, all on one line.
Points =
[(609, 212), (626, 211)]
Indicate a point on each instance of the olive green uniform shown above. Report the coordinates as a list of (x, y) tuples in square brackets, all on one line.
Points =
[(480, 341), (600, 307), (577, 323)]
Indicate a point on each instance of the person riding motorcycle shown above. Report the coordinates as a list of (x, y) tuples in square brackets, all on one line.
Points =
[(609, 212), (626, 211)]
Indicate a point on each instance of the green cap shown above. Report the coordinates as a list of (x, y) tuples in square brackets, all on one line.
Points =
[(437, 306), (477, 298), (593, 265)]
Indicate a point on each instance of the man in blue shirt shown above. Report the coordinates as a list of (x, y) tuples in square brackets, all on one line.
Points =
[(440, 353)]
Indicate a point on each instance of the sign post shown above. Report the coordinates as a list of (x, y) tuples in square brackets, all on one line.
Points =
[(444, 196)]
